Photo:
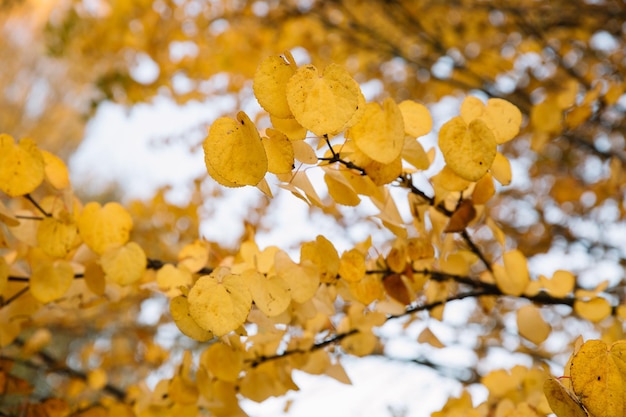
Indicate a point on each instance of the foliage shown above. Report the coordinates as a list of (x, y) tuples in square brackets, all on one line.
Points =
[(531, 165)]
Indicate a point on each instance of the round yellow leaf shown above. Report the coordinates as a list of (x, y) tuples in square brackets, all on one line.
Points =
[(413, 152), (352, 266), (469, 150), (289, 127), (170, 278), (302, 279), (57, 237), (50, 281), (503, 118), (382, 174), (104, 227), (124, 265), (563, 402), (340, 189), (179, 309), (531, 324), (471, 108), (594, 310), (599, 378), (21, 166), (561, 284), (233, 152), (270, 85), (324, 104), (379, 133), (417, 119), (279, 150), (56, 172), (194, 256), (224, 362), (270, 294), (219, 302)]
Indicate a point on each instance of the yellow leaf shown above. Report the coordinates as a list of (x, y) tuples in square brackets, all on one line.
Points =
[(179, 309), (170, 278), (270, 294), (97, 378), (448, 180), (270, 85), (382, 174), (469, 150), (289, 127), (471, 108), (264, 381), (183, 391), (7, 217), (594, 310), (563, 402), (416, 117), (322, 253), (414, 153), (368, 289), (304, 153), (21, 166), (546, 116), (233, 152), (379, 133), (340, 189), (503, 118), (94, 278), (55, 171), (194, 256), (360, 344), (352, 266), (223, 361), (531, 324), (56, 237), (501, 169), (560, 285), (302, 280), (427, 336), (279, 150), (484, 189), (103, 227), (50, 281), (220, 302), (516, 278), (325, 104), (598, 375), (124, 265), (4, 276)]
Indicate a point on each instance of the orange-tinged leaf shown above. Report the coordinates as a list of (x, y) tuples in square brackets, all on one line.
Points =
[(368, 289), (219, 302), (97, 378), (598, 374), (57, 237), (397, 289), (50, 281), (484, 189), (468, 149), (124, 265), (531, 324), (379, 134), (4, 275), (461, 217), (233, 152), (563, 402), (594, 310), (104, 227), (179, 309), (514, 278), (55, 170), (21, 166), (416, 117), (270, 294), (270, 85), (223, 361), (279, 150), (324, 104)]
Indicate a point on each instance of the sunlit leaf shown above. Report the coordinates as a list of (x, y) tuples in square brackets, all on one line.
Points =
[(270, 294), (21, 166), (179, 309), (104, 227), (279, 150), (416, 117), (124, 265), (563, 402), (531, 324), (50, 281), (57, 237), (270, 85), (56, 172), (223, 361)]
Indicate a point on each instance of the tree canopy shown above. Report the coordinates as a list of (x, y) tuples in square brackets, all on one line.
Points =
[(526, 171)]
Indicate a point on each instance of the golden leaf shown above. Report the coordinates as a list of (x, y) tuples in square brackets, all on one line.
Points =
[(179, 309), (302, 280), (416, 117), (594, 310), (124, 265), (270, 294), (325, 104), (352, 266), (21, 166), (224, 362), (55, 171), (103, 227), (233, 152), (219, 302), (57, 237), (279, 150), (270, 85), (563, 402), (50, 281), (531, 324)]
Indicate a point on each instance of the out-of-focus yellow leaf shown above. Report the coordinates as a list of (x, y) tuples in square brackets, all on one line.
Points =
[(103, 227), (270, 85), (325, 104), (352, 265), (546, 116), (4, 275), (598, 375), (469, 149), (50, 281), (270, 294), (417, 119), (279, 150), (414, 153), (97, 378), (220, 302), (55, 171), (233, 152), (179, 309), (360, 344), (323, 254), (379, 134), (264, 381), (224, 362), (124, 265), (21, 166), (484, 190), (94, 278), (516, 267), (289, 127), (194, 256), (560, 285), (302, 279), (563, 402), (594, 310), (531, 324), (171, 277), (427, 336), (57, 237), (501, 169)]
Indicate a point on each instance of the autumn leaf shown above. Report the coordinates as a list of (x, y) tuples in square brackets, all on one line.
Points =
[(563, 402), (270, 85), (21, 166), (124, 265), (103, 227)]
